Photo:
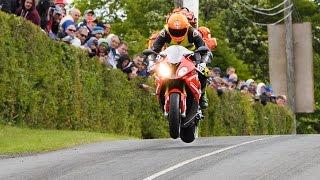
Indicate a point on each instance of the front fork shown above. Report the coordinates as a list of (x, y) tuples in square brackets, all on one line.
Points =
[(183, 101)]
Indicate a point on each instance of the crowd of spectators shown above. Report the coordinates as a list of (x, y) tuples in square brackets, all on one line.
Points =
[(90, 34), (95, 38), (260, 92)]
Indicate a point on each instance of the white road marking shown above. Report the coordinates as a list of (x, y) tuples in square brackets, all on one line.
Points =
[(200, 157)]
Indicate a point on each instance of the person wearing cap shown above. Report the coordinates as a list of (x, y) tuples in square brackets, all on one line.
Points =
[(29, 12), (97, 32), (92, 46), (54, 18), (70, 19), (62, 4), (89, 21), (70, 34)]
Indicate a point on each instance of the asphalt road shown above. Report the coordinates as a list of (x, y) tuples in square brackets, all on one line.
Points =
[(255, 157)]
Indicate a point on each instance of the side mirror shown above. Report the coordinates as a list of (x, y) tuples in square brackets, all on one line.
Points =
[(202, 49), (148, 52)]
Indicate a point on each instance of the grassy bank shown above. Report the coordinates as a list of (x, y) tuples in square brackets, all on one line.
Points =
[(15, 140)]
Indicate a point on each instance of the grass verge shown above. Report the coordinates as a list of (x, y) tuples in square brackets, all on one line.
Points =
[(15, 140)]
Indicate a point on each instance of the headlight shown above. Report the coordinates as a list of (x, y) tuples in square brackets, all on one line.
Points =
[(182, 71), (164, 70)]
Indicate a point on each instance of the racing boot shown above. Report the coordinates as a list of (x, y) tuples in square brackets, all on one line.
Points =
[(203, 100)]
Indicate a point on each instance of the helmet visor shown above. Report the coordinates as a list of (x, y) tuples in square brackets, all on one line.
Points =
[(178, 32)]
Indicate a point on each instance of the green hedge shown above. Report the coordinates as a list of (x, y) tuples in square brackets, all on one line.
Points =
[(46, 84), (236, 114)]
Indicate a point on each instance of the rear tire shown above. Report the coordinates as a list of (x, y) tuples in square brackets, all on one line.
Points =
[(174, 115), (189, 133)]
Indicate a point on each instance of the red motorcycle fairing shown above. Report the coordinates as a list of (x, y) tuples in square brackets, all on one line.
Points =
[(189, 79)]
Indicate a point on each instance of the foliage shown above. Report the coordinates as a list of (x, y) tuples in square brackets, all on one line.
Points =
[(234, 114), (59, 87)]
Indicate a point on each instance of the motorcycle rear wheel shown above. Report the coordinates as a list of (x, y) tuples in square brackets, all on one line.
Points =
[(189, 133), (174, 115)]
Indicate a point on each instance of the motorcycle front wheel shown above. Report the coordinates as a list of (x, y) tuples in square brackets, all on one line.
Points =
[(174, 115)]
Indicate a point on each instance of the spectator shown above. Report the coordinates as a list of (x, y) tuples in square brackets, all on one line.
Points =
[(54, 18), (281, 100), (231, 71), (244, 89), (125, 64), (113, 41), (72, 18), (143, 71), (107, 29), (43, 10), (91, 45), (141, 64), (122, 49), (231, 83), (260, 89), (264, 94), (80, 37), (70, 34), (89, 21), (261, 94), (103, 51), (133, 73), (5, 6), (62, 4), (251, 86), (216, 72), (98, 32), (29, 12)]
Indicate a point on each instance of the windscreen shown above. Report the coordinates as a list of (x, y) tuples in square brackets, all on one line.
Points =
[(175, 53)]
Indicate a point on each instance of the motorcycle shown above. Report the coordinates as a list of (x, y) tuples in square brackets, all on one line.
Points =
[(178, 89)]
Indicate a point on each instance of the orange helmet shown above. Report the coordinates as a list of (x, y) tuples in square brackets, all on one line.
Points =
[(205, 32), (178, 26)]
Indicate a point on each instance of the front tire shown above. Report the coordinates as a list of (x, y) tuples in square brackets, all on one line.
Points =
[(174, 115)]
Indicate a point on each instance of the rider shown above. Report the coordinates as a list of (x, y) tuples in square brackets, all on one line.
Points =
[(178, 31)]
